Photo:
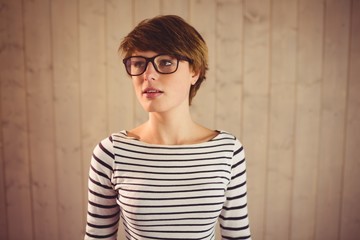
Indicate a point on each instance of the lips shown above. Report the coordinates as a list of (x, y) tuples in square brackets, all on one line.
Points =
[(152, 92)]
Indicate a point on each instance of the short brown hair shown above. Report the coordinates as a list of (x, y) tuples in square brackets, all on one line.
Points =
[(170, 34)]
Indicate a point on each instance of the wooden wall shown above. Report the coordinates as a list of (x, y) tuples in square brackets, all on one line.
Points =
[(284, 77)]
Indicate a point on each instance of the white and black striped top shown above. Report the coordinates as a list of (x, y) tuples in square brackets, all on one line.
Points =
[(167, 191)]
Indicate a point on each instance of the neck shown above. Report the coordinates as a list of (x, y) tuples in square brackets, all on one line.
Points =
[(170, 128)]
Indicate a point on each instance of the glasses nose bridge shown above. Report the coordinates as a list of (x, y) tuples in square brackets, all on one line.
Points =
[(150, 60)]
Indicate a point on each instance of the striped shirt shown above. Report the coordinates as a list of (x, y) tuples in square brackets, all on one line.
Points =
[(167, 191)]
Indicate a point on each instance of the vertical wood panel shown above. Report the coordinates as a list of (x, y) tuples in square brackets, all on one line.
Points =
[(177, 7), (143, 9), (332, 123), (120, 91), (282, 114), (3, 210), (350, 214), (39, 84), (309, 73), (256, 107), (202, 18), (64, 88), (228, 65), (67, 118), (14, 123), (93, 83)]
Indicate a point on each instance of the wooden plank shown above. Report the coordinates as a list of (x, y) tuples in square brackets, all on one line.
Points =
[(120, 91), (14, 123), (332, 131), (308, 111), (176, 7), (143, 9), (3, 210), (256, 107), (93, 83), (39, 82), (350, 212), (202, 18), (282, 119), (65, 42), (228, 66)]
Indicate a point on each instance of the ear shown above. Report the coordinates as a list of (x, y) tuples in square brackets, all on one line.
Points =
[(194, 77)]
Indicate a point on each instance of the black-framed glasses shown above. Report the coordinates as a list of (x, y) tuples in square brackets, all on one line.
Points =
[(163, 63)]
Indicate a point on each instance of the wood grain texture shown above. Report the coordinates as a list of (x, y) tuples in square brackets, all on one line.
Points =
[(202, 18), (14, 122), (93, 84), (228, 65), (350, 210), (120, 96), (176, 7), (283, 78), (256, 107), (39, 83), (65, 44), (3, 209), (332, 123), (281, 119), (308, 111)]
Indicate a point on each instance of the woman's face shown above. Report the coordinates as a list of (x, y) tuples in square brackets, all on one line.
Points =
[(161, 93)]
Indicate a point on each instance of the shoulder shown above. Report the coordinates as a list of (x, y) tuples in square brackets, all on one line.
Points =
[(237, 146)]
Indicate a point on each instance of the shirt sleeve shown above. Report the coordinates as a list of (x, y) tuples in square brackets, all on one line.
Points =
[(103, 211), (234, 221)]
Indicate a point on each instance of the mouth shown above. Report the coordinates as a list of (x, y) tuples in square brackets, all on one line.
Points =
[(152, 92)]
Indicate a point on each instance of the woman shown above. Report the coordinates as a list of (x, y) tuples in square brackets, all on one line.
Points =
[(169, 178)]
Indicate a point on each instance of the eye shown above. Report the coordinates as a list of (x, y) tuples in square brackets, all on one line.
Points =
[(138, 63), (165, 61)]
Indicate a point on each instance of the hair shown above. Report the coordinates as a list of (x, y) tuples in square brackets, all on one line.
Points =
[(170, 34)]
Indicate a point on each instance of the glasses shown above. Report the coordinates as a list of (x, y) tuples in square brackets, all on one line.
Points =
[(163, 63)]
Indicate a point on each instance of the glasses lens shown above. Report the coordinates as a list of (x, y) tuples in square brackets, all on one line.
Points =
[(166, 63), (135, 65)]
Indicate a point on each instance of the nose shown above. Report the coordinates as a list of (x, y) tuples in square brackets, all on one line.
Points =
[(150, 72)]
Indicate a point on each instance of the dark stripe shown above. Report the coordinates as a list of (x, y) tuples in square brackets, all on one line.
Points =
[(103, 226), (238, 163), (234, 208), (101, 195), (101, 236), (172, 206), (238, 175), (178, 198), (235, 238), (174, 191), (99, 184), (173, 148), (102, 206), (236, 197), (170, 154), (169, 179), (237, 186), (99, 173), (101, 162), (106, 151), (238, 151), (171, 173), (103, 216), (174, 160), (171, 213), (176, 166), (233, 218)]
